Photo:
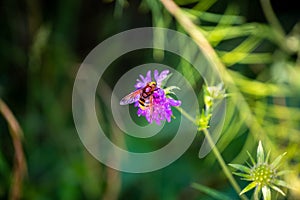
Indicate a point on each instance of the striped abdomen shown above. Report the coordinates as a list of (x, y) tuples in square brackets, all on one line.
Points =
[(144, 102), (145, 97)]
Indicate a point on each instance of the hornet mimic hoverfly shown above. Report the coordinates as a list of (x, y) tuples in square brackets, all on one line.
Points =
[(143, 95)]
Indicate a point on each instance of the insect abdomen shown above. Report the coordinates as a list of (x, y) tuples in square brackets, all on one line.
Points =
[(143, 103)]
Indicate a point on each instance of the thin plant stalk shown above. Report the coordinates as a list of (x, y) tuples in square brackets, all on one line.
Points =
[(222, 163), (271, 17), (216, 153), (20, 168), (274, 22)]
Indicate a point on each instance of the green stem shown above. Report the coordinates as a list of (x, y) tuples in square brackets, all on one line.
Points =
[(216, 153), (222, 163), (270, 15), (274, 22), (184, 113)]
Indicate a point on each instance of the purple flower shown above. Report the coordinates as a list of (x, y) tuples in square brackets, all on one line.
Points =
[(161, 103)]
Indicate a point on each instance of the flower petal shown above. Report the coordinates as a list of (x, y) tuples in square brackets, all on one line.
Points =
[(276, 162), (282, 184), (247, 176), (248, 187), (260, 154), (142, 82), (160, 77), (139, 84), (283, 172), (241, 168), (174, 102), (277, 189), (266, 192), (148, 77), (156, 74), (251, 158)]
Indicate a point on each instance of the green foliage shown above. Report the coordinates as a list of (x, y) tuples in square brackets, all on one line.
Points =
[(211, 192)]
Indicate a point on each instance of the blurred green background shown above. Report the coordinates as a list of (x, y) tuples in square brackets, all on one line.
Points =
[(42, 44)]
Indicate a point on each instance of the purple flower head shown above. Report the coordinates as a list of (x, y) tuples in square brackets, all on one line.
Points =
[(158, 104)]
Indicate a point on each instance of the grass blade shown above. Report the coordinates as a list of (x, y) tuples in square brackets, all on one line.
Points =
[(211, 192)]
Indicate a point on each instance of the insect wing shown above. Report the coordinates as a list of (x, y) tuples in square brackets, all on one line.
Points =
[(151, 105), (131, 98)]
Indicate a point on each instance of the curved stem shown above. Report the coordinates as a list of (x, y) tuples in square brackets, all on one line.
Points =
[(270, 15), (274, 22), (216, 153), (20, 168), (184, 113), (222, 163)]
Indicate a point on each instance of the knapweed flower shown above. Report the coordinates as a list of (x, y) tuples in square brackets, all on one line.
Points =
[(262, 174), (155, 105)]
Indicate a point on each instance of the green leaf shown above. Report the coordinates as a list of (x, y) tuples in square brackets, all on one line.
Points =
[(204, 5), (266, 193), (277, 189), (268, 156), (185, 2), (260, 154), (211, 192), (169, 90), (247, 176), (164, 82), (281, 183), (251, 158), (242, 51), (246, 58), (248, 187), (241, 168), (283, 172), (247, 179), (257, 88), (248, 164), (276, 162), (212, 17), (119, 6)]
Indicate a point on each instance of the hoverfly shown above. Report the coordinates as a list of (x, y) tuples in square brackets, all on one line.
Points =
[(143, 95)]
